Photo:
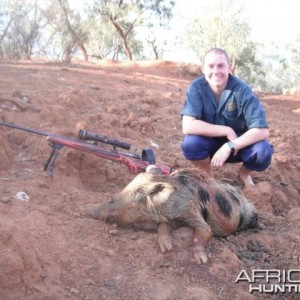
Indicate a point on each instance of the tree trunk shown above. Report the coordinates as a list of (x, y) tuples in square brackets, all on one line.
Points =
[(75, 38), (154, 48), (123, 38)]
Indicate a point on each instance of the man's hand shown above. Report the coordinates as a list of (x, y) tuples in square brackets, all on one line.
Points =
[(221, 156)]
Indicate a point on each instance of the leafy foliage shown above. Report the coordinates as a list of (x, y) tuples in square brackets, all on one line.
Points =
[(250, 69), (21, 23), (128, 15), (138, 29)]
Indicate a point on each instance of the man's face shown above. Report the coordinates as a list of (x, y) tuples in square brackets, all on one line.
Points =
[(216, 69)]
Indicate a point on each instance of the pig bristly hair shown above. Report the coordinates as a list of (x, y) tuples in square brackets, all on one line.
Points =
[(187, 196)]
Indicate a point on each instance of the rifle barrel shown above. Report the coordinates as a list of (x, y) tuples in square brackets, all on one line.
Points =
[(24, 128)]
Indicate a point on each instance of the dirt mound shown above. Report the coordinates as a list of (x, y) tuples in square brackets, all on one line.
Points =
[(52, 249)]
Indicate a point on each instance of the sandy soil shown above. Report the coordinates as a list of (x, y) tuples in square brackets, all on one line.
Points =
[(50, 248)]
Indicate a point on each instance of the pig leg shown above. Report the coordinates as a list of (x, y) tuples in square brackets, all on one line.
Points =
[(201, 237), (202, 233), (164, 237)]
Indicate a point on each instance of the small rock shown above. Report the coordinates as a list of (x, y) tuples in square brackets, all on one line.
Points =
[(293, 215), (113, 232), (164, 264), (74, 291), (249, 263), (76, 215), (22, 196), (90, 282), (4, 199)]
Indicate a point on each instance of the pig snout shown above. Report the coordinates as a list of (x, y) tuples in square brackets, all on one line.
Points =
[(109, 210)]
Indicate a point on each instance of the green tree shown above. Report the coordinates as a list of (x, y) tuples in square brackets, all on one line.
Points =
[(76, 34), (222, 24), (48, 28), (128, 15), (219, 24), (292, 62), (103, 41), (281, 63), (249, 68), (21, 22)]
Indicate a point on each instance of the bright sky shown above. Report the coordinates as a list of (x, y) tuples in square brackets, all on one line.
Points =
[(274, 20), (271, 20)]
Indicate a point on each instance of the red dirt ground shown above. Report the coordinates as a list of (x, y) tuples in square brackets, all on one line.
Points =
[(50, 248)]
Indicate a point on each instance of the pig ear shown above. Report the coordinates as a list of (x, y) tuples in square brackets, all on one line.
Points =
[(138, 197), (159, 192)]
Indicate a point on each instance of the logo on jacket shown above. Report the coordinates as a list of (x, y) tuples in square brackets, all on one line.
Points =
[(231, 106)]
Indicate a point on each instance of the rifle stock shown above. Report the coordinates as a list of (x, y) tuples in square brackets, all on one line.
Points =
[(134, 162)]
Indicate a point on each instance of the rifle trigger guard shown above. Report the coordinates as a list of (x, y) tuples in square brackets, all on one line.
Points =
[(148, 155)]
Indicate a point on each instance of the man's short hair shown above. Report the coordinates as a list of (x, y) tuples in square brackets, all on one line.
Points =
[(216, 50)]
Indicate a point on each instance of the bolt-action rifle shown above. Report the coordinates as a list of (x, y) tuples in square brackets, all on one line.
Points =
[(88, 142)]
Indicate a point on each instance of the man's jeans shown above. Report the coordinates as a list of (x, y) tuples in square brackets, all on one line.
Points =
[(256, 157)]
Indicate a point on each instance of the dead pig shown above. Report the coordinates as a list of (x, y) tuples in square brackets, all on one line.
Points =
[(151, 200)]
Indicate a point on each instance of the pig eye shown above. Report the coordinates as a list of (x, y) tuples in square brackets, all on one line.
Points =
[(111, 201)]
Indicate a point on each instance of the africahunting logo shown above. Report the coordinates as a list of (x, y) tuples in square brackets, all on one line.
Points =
[(271, 281)]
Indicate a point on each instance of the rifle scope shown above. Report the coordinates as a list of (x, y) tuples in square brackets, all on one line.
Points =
[(88, 136)]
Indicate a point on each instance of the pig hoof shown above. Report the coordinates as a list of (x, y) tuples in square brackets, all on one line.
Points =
[(94, 211), (200, 255), (165, 243)]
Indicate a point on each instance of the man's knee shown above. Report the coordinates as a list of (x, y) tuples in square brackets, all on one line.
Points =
[(264, 151), (259, 156), (195, 147)]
